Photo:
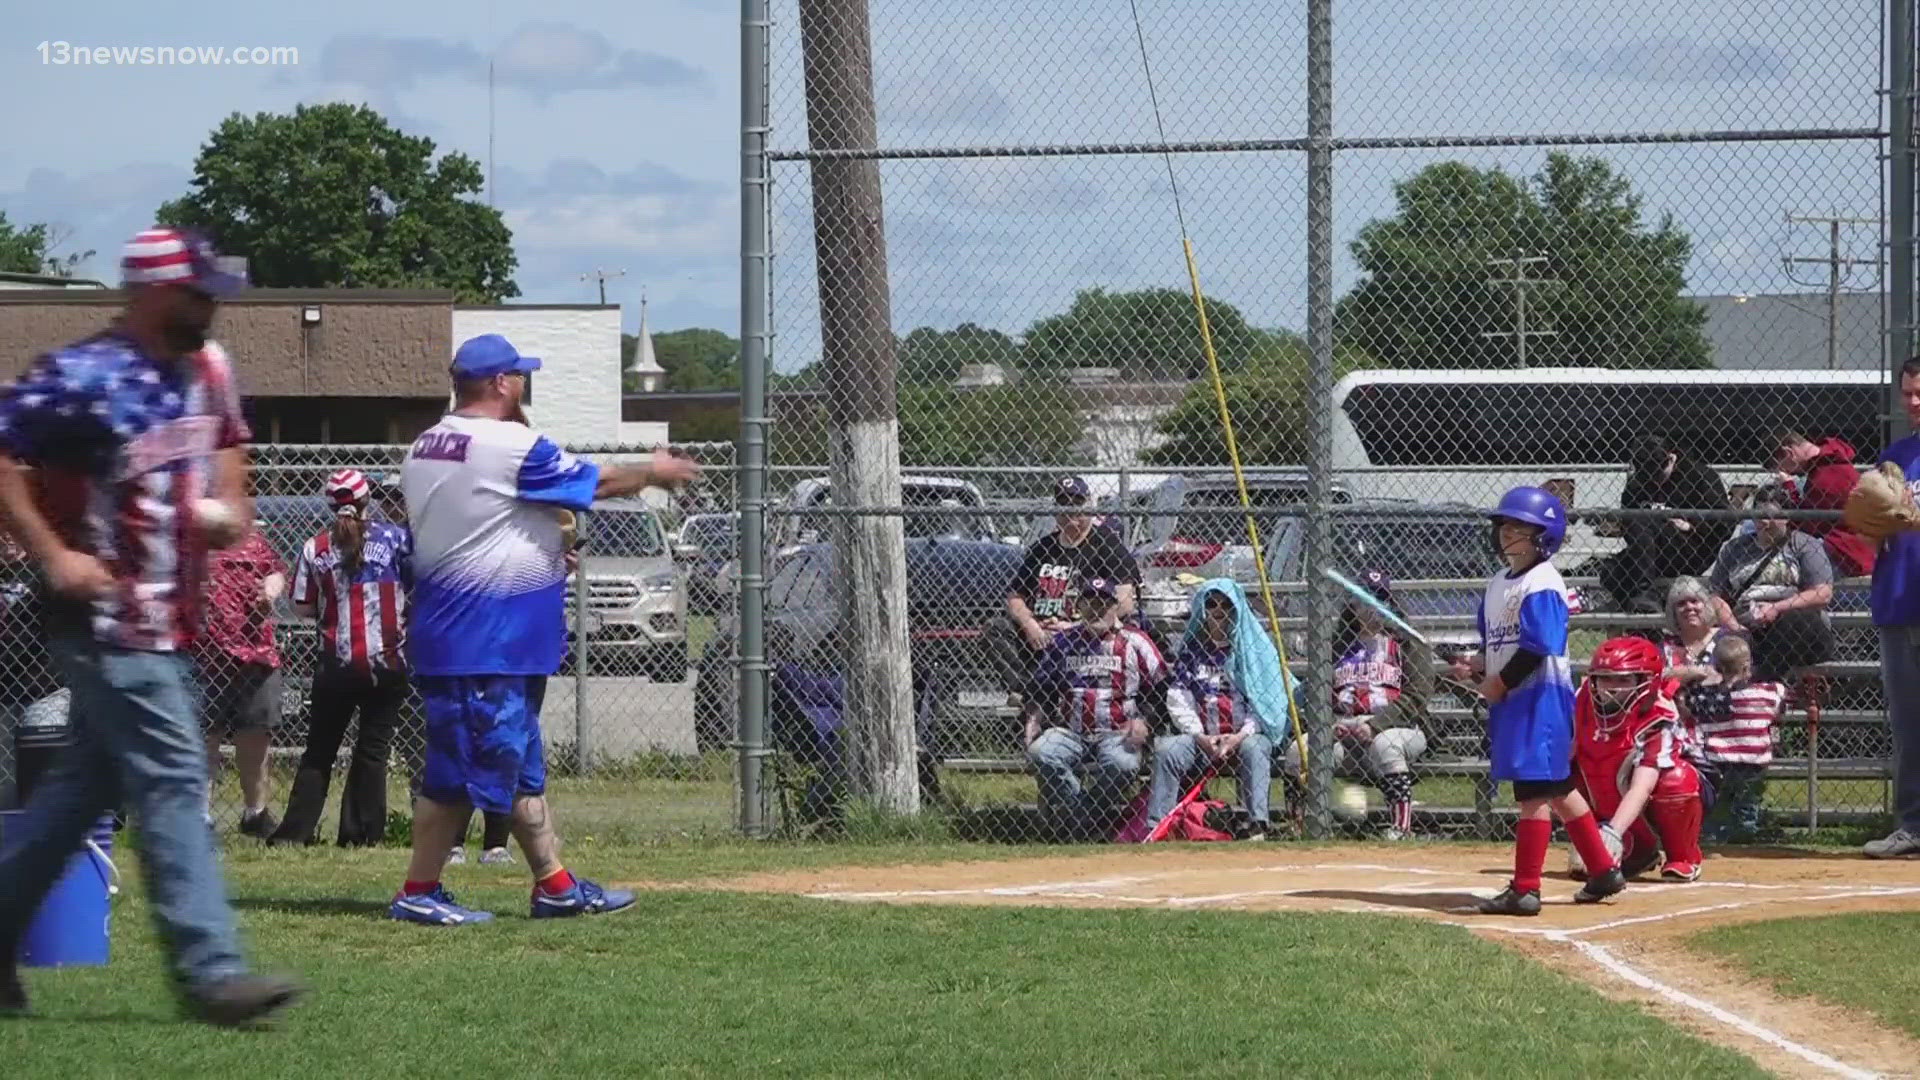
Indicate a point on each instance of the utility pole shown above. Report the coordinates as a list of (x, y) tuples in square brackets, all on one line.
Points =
[(601, 276), (1838, 269), (1520, 282), (857, 353)]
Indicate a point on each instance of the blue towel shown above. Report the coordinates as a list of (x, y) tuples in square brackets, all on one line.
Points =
[(1256, 671)]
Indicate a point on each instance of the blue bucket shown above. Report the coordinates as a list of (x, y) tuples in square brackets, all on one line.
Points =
[(70, 929)]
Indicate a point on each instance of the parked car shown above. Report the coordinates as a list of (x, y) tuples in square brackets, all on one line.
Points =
[(954, 589), (714, 540), (1413, 543), (636, 610)]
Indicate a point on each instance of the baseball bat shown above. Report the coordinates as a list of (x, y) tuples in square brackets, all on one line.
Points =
[(1360, 593)]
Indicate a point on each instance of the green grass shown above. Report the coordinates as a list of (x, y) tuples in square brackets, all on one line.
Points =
[(1863, 961), (714, 984)]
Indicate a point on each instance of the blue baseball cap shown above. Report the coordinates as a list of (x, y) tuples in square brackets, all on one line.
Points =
[(489, 355), (1071, 491)]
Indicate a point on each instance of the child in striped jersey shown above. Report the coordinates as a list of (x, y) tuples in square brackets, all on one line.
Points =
[(1731, 718)]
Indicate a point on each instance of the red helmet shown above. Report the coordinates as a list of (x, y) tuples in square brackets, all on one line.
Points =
[(1624, 670)]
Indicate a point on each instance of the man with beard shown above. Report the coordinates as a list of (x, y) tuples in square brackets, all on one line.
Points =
[(489, 624), (127, 432)]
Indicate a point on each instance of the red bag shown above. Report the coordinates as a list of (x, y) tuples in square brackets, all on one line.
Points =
[(1190, 821)]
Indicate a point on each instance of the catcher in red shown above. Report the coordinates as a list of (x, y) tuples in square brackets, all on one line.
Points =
[(1629, 760)]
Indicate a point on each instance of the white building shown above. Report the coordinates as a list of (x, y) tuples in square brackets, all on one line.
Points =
[(575, 396)]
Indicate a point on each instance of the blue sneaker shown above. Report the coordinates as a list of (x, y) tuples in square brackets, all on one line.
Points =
[(585, 898), (436, 908)]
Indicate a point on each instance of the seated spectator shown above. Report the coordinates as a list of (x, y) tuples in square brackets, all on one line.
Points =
[(1083, 709), (1693, 626), (1664, 478), (1382, 683), (1775, 584), (1229, 702), (1731, 717), (1039, 601), (1820, 476)]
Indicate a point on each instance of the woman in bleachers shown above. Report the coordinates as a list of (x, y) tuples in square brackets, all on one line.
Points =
[(1775, 584), (1693, 626)]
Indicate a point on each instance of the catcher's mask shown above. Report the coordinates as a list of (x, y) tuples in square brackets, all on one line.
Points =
[(1624, 670)]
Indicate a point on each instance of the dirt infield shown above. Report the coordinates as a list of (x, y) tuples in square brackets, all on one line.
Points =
[(1631, 947)]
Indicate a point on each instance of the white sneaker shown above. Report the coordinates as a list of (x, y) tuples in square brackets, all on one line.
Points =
[(457, 857), (496, 856), (1898, 844)]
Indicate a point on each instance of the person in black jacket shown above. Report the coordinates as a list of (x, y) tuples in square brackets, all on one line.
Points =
[(1665, 477)]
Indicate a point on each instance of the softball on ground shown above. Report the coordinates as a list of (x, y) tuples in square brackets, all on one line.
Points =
[(1352, 800)]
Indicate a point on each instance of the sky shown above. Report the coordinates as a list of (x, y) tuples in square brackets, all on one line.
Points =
[(616, 132)]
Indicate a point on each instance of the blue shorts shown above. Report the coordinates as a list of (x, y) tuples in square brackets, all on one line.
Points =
[(483, 739)]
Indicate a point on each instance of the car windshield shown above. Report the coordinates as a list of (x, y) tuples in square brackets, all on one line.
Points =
[(624, 534), (954, 585), (711, 534)]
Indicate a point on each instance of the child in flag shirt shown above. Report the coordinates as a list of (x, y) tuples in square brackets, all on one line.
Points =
[(1731, 720)]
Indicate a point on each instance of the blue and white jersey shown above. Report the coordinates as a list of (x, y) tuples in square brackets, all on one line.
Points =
[(489, 565), (1532, 728)]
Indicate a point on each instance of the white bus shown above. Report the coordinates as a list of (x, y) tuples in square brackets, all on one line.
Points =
[(1468, 436)]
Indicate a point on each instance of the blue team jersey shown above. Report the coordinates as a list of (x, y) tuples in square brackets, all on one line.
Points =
[(1896, 572), (489, 564), (1532, 728)]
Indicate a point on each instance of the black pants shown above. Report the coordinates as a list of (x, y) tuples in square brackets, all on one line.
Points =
[(1656, 551), (338, 697), (1794, 640)]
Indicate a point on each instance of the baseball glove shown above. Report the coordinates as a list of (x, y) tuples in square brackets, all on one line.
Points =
[(569, 528), (1880, 504)]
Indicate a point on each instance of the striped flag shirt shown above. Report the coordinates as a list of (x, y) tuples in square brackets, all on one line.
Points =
[(1733, 723), (1201, 699), (1096, 682), (122, 444), (363, 617)]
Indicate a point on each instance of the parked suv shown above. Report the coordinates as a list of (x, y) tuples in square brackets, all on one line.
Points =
[(954, 589), (636, 611)]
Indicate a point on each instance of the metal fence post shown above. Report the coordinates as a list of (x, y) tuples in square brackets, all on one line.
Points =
[(1320, 601), (582, 743), (1900, 204), (755, 251)]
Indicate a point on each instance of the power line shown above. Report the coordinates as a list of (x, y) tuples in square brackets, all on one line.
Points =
[(601, 276), (1838, 267), (1520, 283)]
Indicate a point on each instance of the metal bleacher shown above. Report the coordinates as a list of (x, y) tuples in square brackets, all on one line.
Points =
[(1457, 720)]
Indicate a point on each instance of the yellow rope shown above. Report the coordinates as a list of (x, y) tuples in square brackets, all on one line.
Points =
[(1246, 503)]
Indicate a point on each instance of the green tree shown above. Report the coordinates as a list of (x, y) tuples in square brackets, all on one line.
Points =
[(1432, 293), (333, 196), (29, 249), (1149, 334), (1267, 401), (23, 248), (694, 359), (1031, 422), (928, 356)]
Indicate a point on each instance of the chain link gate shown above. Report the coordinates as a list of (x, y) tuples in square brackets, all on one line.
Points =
[(1542, 247)]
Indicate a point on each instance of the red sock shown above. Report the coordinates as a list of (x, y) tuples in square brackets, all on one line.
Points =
[(417, 888), (1584, 831), (1531, 840), (556, 883)]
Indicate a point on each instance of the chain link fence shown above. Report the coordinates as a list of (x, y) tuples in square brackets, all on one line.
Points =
[(1638, 255), (631, 752)]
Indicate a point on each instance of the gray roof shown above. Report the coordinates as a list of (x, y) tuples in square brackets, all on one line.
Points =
[(1789, 330)]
